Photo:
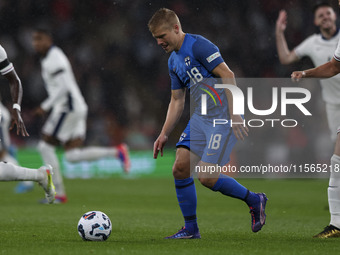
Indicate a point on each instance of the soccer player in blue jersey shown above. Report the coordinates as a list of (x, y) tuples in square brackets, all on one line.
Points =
[(193, 61)]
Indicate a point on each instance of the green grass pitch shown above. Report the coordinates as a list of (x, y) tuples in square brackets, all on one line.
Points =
[(143, 211)]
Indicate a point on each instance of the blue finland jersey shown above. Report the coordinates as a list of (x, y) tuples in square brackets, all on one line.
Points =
[(191, 67), (194, 62)]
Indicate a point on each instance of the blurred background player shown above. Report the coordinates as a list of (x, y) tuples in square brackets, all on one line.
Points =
[(9, 171), (66, 123), (194, 58), (327, 70), (320, 49)]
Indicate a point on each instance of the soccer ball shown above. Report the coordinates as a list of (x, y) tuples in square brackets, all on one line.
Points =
[(94, 226)]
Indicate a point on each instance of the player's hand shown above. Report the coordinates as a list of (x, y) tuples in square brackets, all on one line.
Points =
[(240, 130), (298, 75), (281, 22), (39, 112), (159, 145), (17, 121)]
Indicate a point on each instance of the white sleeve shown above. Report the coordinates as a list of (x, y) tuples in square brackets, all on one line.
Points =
[(304, 48), (5, 65), (337, 52)]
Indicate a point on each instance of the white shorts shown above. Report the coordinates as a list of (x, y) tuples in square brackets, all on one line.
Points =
[(333, 117), (4, 127), (66, 126)]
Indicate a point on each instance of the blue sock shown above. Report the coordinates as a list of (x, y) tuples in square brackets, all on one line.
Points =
[(252, 199), (230, 187), (187, 200)]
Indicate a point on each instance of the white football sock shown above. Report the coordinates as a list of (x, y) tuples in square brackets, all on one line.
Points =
[(49, 156), (90, 154), (11, 172), (10, 159), (334, 191)]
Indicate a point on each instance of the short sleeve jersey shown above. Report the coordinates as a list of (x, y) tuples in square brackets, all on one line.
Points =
[(57, 72), (192, 66)]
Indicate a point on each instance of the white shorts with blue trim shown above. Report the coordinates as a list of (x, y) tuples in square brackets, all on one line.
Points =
[(66, 125)]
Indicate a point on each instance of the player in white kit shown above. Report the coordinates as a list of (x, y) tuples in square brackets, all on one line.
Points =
[(327, 70), (66, 123), (320, 49), (10, 171)]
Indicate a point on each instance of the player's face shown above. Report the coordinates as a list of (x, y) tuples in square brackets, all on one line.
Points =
[(167, 38), (325, 17), (41, 42)]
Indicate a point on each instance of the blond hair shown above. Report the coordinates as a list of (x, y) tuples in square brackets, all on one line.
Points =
[(163, 17)]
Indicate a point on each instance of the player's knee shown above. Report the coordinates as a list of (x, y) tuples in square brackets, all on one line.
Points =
[(180, 170), (72, 155), (207, 182)]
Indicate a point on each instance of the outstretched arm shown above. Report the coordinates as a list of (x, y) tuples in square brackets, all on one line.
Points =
[(175, 111), (285, 55), (326, 70), (16, 93)]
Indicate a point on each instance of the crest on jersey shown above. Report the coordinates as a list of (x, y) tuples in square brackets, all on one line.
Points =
[(187, 61)]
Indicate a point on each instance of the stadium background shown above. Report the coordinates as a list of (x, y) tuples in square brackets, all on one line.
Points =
[(123, 75)]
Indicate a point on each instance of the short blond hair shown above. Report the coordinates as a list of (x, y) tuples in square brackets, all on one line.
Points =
[(163, 17)]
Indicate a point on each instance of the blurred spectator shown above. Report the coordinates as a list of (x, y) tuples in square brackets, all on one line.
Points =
[(122, 73)]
